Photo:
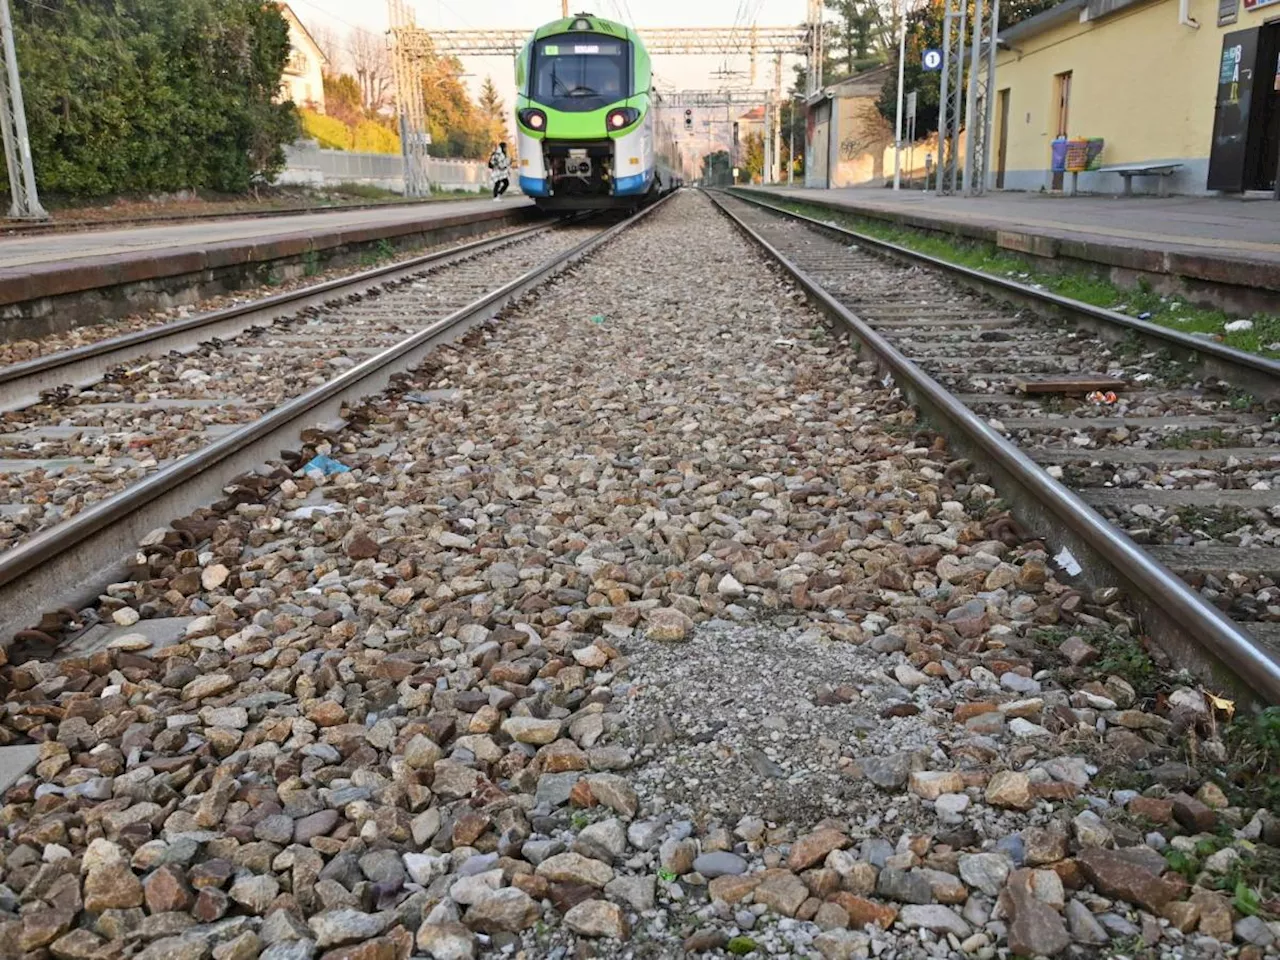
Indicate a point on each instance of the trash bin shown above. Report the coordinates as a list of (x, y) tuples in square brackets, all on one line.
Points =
[(1058, 155), (1095, 153), (1077, 155)]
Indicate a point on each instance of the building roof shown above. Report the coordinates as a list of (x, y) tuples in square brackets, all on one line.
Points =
[(288, 11), (1044, 20), (866, 83)]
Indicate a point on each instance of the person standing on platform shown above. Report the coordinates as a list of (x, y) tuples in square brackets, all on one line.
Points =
[(500, 167)]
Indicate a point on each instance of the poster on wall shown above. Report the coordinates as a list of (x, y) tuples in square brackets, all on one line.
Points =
[(1255, 4)]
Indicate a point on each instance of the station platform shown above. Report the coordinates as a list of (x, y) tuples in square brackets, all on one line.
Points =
[(1196, 242), (45, 267)]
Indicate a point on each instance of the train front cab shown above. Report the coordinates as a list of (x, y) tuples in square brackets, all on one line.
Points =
[(585, 138)]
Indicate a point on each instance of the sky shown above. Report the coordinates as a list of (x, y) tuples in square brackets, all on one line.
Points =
[(676, 72)]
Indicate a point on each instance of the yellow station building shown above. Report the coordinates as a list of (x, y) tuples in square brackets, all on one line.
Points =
[(1191, 82)]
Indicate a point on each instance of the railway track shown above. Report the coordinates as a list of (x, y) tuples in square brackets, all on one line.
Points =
[(645, 641), (1170, 491), (102, 443)]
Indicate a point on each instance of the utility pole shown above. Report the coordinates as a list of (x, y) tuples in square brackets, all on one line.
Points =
[(766, 172), (815, 47), (776, 171), (982, 88), (791, 142), (951, 99), (564, 8), (410, 99), (13, 119), (902, 62), (973, 131)]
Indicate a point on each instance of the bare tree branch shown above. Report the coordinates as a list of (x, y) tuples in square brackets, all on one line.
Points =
[(326, 39), (372, 63)]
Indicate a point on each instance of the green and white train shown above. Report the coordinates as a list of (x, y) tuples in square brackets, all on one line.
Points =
[(590, 134)]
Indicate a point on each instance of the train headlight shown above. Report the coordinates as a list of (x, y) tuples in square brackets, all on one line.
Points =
[(621, 118), (534, 119)]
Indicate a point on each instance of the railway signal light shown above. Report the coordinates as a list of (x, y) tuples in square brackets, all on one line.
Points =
[(688, 119)]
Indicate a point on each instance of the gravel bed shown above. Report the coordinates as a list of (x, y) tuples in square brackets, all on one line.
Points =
[(227, 383), (981, 350), (1191, 526), (661, 627), (18, 351), (1231, 473)]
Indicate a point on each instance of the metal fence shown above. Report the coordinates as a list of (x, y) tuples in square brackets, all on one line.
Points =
[(306, 163)]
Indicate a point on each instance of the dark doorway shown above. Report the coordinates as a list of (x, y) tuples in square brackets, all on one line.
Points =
[(1002, 139), (1246, 123), (1062, 105), (1264, 133)]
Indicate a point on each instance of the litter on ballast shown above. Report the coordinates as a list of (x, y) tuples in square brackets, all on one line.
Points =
[(326, 465), (1067, 563)]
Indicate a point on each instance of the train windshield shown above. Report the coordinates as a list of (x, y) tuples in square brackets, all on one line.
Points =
[(579, 72)]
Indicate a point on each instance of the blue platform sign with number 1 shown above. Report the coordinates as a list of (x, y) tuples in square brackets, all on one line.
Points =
[(931, 59)]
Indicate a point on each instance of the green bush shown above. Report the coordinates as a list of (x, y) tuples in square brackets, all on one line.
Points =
[(371, 137), (330, 132), (367, 136), (141, 95)]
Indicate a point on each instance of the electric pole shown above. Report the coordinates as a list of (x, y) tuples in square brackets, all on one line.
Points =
[(815, 47), (564, 8), (897, 129), (13, 119)]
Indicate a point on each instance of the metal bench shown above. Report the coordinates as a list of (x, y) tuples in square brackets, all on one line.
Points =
[(1130, 170)]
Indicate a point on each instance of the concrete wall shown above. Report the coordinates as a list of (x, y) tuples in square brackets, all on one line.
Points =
[(865, 141), (308, 164), (1140, 80)]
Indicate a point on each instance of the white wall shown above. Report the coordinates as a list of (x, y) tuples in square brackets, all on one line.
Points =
[(308, 164)]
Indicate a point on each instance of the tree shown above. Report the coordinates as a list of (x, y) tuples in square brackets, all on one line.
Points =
[(326, 39), (141, 95), (717, 168), (372, 63), (752, 166), (492, 108), (458, 127), (793, 121), (924, 32), (342, 98), (855, 31)]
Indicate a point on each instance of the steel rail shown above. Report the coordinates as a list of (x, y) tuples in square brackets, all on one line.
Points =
[(1258, 374), (67, 565), (21, 384), (1193, 633)]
